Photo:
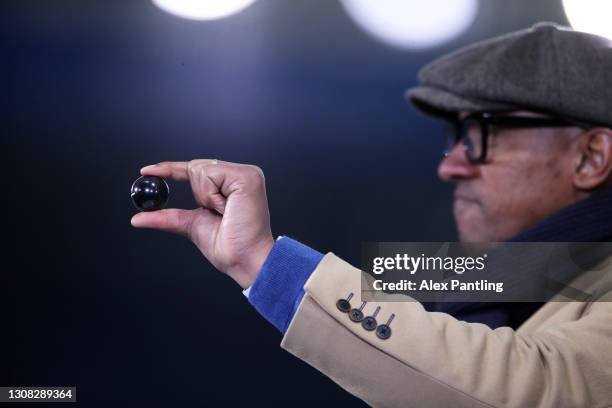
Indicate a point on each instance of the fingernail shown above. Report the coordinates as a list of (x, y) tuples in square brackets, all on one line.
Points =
[(150, 167), (134, 220)]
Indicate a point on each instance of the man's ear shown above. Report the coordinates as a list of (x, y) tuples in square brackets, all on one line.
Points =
[(594, 159)]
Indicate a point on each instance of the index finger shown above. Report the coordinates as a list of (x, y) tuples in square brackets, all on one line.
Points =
[(174, 170)]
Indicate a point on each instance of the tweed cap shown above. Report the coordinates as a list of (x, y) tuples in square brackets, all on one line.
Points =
[(546, 68)]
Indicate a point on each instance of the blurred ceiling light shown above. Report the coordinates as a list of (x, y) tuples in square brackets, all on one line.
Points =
[(591, 16), (413, 24), (203, 9)]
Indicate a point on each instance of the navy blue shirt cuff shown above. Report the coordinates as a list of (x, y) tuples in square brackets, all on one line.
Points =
[(279, 287)]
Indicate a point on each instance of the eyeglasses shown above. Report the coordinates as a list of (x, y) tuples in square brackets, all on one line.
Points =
[(473, 131)]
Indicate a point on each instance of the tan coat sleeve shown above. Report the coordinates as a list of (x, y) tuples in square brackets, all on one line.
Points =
[(433, 359)]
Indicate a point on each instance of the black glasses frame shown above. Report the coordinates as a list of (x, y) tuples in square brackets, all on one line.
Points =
[(485, 120)]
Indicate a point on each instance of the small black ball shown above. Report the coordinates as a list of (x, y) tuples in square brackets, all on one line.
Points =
[(150, 193)]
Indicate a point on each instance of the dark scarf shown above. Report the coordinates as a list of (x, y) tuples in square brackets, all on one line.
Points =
[(589, 220)]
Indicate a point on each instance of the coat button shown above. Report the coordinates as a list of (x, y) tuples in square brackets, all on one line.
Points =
[(383, 331), (370, 323), (356, 315), (344, 305)]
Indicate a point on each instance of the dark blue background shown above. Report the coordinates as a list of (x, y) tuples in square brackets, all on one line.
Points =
[(94, 90)]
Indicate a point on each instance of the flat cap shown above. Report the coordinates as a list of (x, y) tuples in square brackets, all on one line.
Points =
[(546, 68)]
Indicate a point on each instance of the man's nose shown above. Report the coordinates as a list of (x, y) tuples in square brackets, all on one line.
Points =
[(456, 166)]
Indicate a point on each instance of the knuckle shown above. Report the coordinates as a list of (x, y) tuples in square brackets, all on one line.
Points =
[(255, 175), (193, 167), (257, 171)]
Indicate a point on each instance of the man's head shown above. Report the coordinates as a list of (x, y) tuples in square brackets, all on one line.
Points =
[(532, 166), (527, 175)]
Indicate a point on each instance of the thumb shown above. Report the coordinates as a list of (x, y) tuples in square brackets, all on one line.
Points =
[(173, 220)]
